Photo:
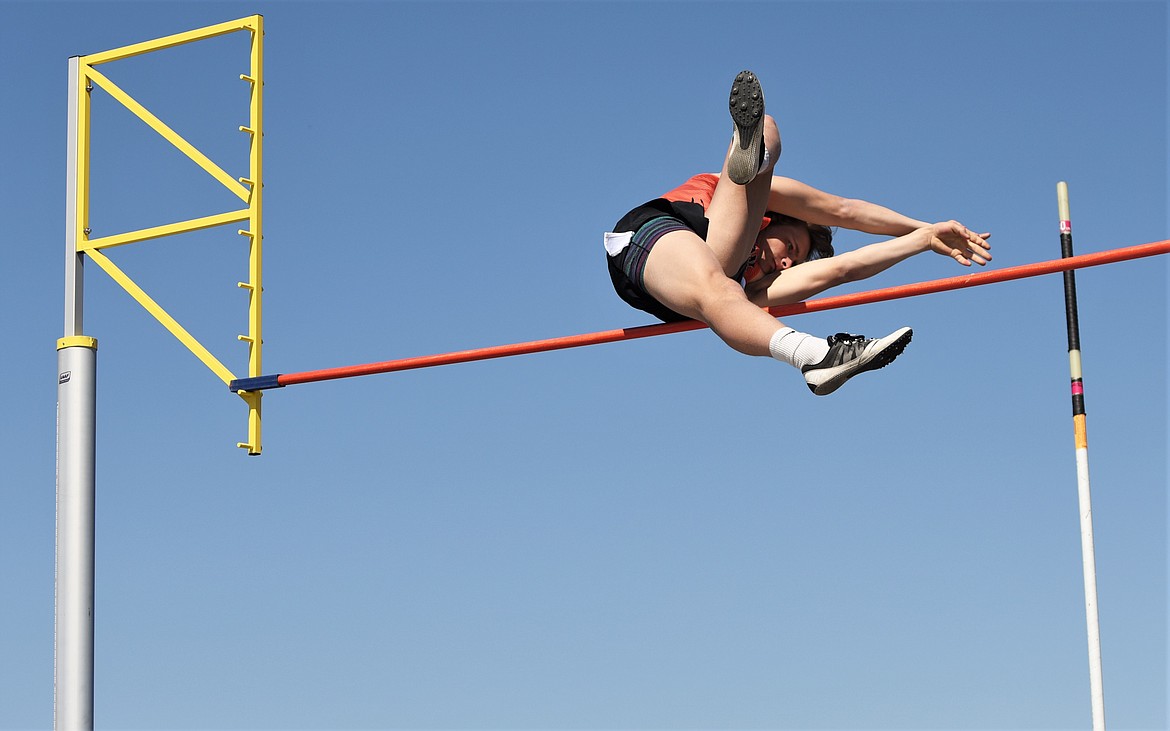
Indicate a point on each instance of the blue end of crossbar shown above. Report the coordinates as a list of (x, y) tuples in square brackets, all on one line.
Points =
[(258, 383)]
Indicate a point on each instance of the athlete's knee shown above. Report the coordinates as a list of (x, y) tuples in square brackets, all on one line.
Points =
[(717, 292)]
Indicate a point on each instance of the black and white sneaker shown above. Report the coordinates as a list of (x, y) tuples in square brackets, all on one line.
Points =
[(747, 111), (853, 354)]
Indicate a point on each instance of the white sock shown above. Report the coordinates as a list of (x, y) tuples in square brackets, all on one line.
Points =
[(767, 158), (796, 348)]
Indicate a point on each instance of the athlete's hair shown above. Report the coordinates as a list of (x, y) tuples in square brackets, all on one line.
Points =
[(820, 237)]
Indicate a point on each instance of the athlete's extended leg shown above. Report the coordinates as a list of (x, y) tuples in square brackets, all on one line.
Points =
[(682, 273), (741, 196)]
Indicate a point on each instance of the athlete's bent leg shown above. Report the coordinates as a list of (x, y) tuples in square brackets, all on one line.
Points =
[(683, 274)]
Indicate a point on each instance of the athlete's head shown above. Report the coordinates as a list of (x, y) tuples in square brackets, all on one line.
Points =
[(820, 238), (786, 242)]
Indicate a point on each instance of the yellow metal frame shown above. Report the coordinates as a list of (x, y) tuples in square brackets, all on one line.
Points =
[(248, 189)]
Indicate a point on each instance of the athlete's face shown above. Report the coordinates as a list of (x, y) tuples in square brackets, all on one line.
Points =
[(782, 246)]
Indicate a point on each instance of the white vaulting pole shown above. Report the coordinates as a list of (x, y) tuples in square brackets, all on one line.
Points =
[(76, 406), (1096, 687)]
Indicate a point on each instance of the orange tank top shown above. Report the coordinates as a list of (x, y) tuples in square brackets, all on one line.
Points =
[(699, 189)]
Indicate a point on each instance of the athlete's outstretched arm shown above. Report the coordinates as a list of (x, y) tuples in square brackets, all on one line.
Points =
[(798, 283), (807, 203)]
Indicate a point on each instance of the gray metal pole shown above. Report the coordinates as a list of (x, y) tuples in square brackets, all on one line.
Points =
[(76, 406)]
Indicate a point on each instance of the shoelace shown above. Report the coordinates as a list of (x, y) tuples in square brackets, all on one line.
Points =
[(850, 346)]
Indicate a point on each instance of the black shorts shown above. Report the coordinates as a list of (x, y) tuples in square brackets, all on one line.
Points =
[(626, 273)]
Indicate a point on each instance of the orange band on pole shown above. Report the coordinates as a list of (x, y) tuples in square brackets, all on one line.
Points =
[(645, 331), (1080, 433)]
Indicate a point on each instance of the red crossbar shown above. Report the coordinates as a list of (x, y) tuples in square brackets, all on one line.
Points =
[(817, 305)]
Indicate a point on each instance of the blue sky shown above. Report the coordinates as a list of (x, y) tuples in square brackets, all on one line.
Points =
[(657, 534)]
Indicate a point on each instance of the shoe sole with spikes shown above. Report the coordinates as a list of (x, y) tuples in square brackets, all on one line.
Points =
[(747, 111)]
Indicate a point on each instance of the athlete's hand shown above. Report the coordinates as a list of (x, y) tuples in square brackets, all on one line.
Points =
[(953, 239)]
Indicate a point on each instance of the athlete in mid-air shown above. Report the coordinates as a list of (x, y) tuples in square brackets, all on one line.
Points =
[(720, 247)]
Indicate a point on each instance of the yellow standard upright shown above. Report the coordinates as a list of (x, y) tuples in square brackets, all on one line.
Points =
[(249, 189)]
